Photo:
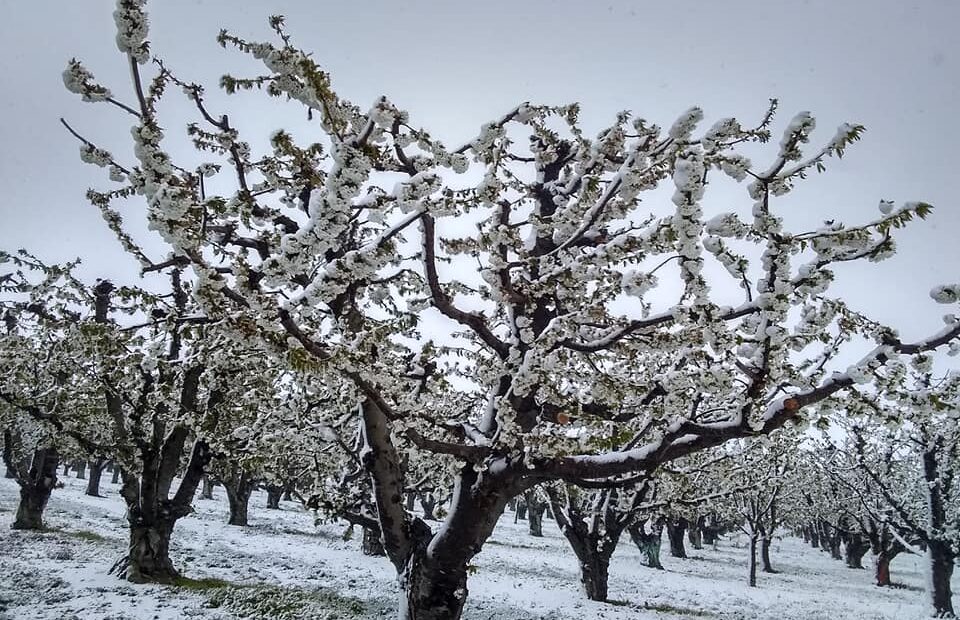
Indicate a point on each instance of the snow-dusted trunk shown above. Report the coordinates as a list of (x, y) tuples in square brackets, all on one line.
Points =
[(676, 528), (648, 543), (941, 571), (36, 481), (93, 482)]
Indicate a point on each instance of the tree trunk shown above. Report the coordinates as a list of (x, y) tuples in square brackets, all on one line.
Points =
[(35, 489), (8, 473), (765, 543), (206, 491), (695, 533), (411, 499), (115, 478), (33, 499), (429, 593), (148, 560), (835, 547), (753, 561), (93, 483), (81, 468), (883, 567), (856, 548), (535, 510), (675, 531), (371, 543), (288, 492), (522, 510), (941, 569), (814, 537), (648, 543), (238, 499), (274, 493), (429, 505), (594, 575)]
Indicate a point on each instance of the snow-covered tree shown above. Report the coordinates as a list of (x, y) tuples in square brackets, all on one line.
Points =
[(566, 361)]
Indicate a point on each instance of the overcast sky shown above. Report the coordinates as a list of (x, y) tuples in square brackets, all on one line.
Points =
[(892, 66)]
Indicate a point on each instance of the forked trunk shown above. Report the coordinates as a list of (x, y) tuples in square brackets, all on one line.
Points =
[(941, 569), (148, 560)]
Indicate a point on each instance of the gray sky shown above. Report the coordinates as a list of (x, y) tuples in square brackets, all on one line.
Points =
[(892, 66)]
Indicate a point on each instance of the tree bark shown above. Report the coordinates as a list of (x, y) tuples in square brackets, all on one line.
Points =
[(753, 561), (93, 482), (856, 548), (883, 566), (33, 500), (941, 569), (765, 542), (238, 498), (429, 505), (81, 468), (35, 487), (648, 543), (676, 528), (371, 543), (206, 490), (428, 593), (594, 575), (535, 510), (695, 533), (115, 477), (148, 560), (274, 493)]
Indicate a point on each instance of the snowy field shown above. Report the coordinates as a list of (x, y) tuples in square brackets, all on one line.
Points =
[(283, 567)]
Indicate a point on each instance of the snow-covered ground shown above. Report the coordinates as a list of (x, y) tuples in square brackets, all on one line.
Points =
[(282, 566)]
